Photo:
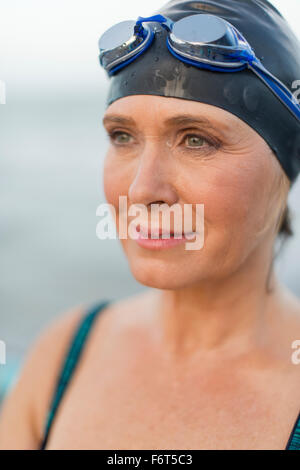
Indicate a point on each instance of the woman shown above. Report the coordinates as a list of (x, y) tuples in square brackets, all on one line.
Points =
[(202, 359)]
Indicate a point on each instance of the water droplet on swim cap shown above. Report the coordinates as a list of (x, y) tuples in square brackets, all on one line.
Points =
[(251, 98)]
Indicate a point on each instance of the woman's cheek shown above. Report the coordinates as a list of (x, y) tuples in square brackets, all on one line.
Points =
[(113, 181), (227, 210)]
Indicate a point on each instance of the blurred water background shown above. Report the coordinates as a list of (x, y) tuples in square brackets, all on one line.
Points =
[(52, 147)]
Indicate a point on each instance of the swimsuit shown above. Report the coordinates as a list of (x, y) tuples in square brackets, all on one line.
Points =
[(72, 359)]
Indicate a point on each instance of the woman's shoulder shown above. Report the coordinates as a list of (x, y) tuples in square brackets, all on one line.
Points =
[(24, 409), (26, 406), (134, 311)]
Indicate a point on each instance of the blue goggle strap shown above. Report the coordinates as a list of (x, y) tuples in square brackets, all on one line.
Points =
[(256, 66), (281, 91)]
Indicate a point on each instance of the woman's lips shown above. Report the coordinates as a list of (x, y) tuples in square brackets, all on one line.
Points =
[(144, 238)]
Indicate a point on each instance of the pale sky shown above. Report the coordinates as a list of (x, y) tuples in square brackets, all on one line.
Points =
[(45, 43)]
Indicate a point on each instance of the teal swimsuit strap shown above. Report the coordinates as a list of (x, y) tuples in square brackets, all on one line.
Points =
[(70, 363), (294, 440)]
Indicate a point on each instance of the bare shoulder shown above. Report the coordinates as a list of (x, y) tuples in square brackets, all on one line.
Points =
[(128, 316), (23, 414), (122, 328), (24, 409), (133, 311)]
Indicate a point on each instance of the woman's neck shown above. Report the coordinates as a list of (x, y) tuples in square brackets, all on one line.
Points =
[(214, 314)]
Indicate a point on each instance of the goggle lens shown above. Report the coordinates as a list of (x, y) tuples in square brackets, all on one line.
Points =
[(200, 28), (118, 42), (117, 35)]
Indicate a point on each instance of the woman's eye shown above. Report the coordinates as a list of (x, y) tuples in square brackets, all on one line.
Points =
[(119, 137), (194, 140)]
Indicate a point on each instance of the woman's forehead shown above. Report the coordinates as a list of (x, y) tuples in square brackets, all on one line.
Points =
[(170, 111)]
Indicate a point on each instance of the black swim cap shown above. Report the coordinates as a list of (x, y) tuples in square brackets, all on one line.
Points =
[(158, 72)]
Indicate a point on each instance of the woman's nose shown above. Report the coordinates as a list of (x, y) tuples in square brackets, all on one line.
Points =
[(153, 179)]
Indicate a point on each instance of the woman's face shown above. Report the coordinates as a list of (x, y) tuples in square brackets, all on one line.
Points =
[(205, 156)]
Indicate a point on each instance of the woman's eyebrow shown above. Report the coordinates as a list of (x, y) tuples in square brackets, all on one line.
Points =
[(178, 120), (187, 119), (118, 119)]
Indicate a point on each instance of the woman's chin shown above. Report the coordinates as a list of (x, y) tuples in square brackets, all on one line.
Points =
[(158, 282), (161, 277)]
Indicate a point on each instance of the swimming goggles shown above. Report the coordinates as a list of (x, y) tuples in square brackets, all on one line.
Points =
[(203, 40)]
